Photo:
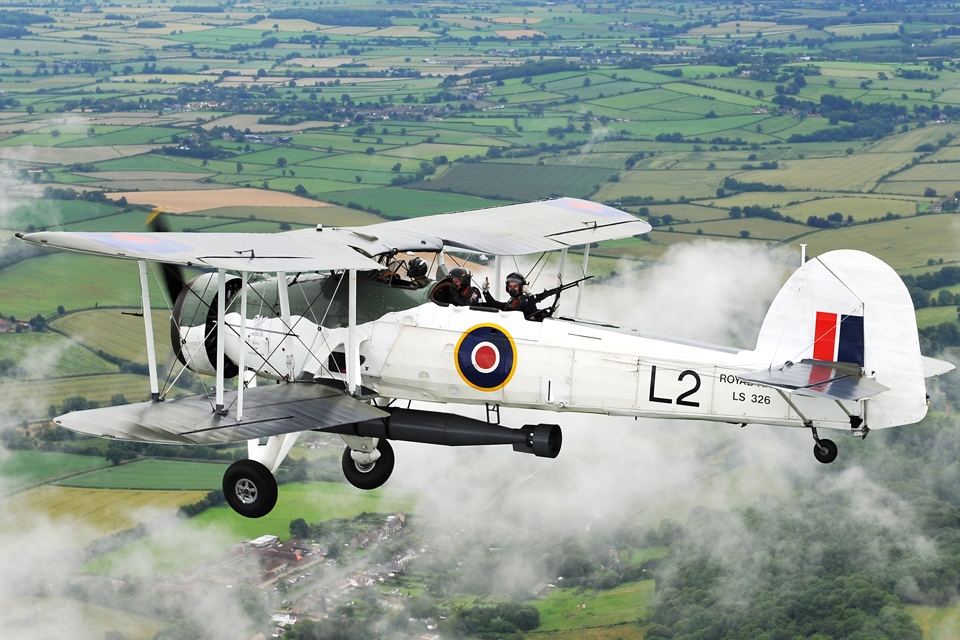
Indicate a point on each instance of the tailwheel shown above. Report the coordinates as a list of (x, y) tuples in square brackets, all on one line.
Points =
[(250, 488), (825, 451), (368, 475)]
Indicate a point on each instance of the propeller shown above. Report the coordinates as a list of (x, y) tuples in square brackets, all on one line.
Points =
[(173, 276)]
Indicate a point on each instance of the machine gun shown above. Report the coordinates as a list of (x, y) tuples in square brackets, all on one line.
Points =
[(557, 290), (547, 312)]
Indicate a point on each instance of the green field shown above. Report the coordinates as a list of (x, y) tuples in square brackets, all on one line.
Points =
[(165, 475), (39, 285), (518, 182), (221, 526), (18, 468), (111, 331), (570, 609), (32, 399), (903, 244), (48, 355)]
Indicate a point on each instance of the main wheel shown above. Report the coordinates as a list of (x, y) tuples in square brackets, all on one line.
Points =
[(373, 475), (825, 451), (250, 488)]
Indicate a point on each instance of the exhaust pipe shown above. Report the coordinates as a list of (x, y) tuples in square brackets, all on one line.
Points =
[(432, 427)]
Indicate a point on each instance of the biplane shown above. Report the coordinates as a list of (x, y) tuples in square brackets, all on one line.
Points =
[(335, 319)]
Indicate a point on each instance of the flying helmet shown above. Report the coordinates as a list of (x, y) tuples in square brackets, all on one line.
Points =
[(416, 267), (518, 279), (463, 274)]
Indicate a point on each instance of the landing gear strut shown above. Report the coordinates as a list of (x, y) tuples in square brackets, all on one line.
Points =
[(364, 473), (824, 451), (250, 488)]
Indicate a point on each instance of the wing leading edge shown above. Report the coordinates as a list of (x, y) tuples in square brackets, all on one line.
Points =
[(268, 411)]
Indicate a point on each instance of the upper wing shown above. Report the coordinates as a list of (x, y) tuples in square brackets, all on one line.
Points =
[(235, 251), (819, 379), (515, 229), (268, 411)]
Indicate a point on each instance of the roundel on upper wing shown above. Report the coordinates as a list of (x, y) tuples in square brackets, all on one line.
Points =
[(486, 357)]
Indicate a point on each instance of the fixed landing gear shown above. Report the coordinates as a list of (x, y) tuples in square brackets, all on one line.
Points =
[(250, 488), (824, 451), (364, 473)]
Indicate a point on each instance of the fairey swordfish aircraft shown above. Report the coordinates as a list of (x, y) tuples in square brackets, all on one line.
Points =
[(355, 335)]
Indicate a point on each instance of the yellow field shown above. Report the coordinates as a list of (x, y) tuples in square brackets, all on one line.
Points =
[(187, 201), (900, 243), (88, 513), (844, 174), (117, 334), (48, 617), (32, 398), (937, 623), (513, 34), (859, 208), (663, 184), (912, 139)]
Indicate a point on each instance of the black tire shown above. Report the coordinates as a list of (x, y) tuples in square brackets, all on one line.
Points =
[(250, 488), (825, 451), (370, 476)]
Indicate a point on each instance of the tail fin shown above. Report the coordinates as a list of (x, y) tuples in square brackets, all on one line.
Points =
[(848, 306)]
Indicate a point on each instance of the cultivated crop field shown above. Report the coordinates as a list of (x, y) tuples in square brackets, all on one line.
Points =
[(165, 475), (119, 335), (92, 513), (18, 468), (519, 182)]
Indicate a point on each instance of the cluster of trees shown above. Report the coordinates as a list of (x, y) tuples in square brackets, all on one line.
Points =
[(921, 286), (757, 211), (732, 184), (493, 622), (212, 499)]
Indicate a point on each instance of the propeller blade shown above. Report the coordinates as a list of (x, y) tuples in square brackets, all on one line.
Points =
[(173, 277)]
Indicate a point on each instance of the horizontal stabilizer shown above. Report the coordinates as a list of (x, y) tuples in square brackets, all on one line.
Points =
[(819, 379), (933, 367), (267, 411)]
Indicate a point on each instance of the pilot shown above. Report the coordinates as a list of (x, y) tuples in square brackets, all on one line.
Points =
[(417, 271), (519, 300), (456, 290)]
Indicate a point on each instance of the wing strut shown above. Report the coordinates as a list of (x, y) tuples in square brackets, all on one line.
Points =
[(148, 328), (353, 349), (563, 263), (582, 286), (221, 312), (243, 344)]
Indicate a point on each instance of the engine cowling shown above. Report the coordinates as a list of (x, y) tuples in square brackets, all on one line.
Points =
[(193, 325)]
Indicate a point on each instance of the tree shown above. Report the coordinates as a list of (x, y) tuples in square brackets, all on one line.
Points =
[(744, 234), (358, 179), (396, 168), (61, 310), (929, 193), (281, 162), (299, 528), (30, 109), (239, 167), (300, 190), (116, 455)]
